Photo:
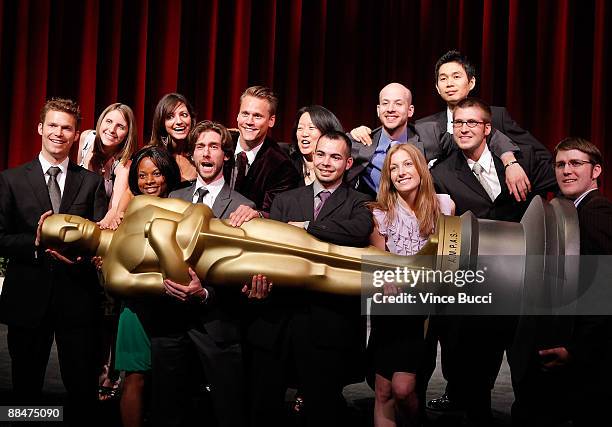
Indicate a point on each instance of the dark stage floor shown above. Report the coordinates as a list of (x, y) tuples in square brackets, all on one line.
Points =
[(359, 396)]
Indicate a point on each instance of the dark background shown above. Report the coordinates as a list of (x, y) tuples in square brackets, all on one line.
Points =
[(544, 60)]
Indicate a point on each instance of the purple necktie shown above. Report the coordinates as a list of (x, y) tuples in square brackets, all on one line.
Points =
[(323, 196)]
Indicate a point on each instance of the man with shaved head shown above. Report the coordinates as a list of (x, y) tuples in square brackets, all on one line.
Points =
[(394, 109)]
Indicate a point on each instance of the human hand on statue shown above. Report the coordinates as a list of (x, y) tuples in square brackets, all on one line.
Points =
[(194, 291), (390, 289), (97, 261), (242, 214), (362, 134), (52, 252), (260, 287), (554, 358)]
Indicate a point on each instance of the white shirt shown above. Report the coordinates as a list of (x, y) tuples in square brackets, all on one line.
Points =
[(214, 188), (449, 120), (488, 170), (251, 154), (61, 177), (582, 196)]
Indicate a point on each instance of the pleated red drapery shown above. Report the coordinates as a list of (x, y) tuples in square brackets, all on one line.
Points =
[(544, 60)]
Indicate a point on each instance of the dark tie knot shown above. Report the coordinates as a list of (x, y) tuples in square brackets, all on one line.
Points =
[(53, 171), (202, 191)]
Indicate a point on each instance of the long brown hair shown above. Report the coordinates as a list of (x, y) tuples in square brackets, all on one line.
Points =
[(126, 147), (426, 205), (159, 135)]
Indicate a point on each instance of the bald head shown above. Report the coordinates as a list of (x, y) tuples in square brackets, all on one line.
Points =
[(395, 90), (395, 108)]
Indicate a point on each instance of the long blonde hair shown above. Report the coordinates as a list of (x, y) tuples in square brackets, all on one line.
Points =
[(426, 205)]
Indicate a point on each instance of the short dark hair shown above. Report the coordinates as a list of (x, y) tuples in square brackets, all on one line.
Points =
[(65, 106), (335, 135), (324, 120), (164, 162), (159, 135), (227, 144), (262, 92), (458, 57), (580, 144), (478, 103)]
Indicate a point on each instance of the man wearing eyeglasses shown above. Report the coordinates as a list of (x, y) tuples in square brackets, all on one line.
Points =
[(575, 376), (474, 177)]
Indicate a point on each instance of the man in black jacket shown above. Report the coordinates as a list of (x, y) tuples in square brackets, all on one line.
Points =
[(322, 335)]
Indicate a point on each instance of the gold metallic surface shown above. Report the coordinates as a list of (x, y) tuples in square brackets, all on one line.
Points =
[(161, 238)]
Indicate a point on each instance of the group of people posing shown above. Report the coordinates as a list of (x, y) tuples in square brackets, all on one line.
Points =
[(384, 187)]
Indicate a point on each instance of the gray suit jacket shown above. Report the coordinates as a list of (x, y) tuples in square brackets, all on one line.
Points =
[(227, 201)]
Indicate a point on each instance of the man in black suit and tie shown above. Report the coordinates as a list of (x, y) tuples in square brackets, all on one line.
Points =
[(321, 335), (394, 110), (259, 168), (474, 177), (573, 379), (46, 295), (201, 322)]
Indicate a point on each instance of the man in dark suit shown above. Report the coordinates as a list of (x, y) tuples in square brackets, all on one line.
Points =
[(259, 169), (394, 111), (321, 335), (473, 346), (455, 79), (201, 322), (46, 294), (573, 379)]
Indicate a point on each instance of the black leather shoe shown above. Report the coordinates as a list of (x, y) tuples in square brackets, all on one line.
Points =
[(443, 404)]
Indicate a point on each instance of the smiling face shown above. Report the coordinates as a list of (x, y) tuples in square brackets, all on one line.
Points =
[(254, 120), (114, 129), (404, 175), (395, 107), (471, 140), (575, 180), (453, 84), (58, 132), (150, 179), (331, 160), (178, 122), (208, 156), (307, 135)]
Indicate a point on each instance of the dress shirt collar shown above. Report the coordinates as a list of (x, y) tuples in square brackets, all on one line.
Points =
[(449, 120), (582, 196), (214, 188), (485, 160), (317, 187), (46, 164), (251, 154)]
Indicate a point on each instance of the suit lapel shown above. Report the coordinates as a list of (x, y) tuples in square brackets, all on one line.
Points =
[(443, 120), (71, 186), (413, 138), (501, 175), (35, 177), (335, 200), (465, 175), (306, 202), (222, 201)]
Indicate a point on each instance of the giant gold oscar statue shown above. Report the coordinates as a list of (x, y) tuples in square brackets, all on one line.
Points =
[(161, 238)]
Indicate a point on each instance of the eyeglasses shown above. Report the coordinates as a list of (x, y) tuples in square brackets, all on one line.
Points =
[(573, 164), (470, 123)]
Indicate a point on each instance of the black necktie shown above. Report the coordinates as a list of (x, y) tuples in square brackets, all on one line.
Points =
[(241, 165), (54, 190), (201, 193)]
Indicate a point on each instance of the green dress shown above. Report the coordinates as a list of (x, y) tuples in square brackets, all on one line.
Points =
[(133, 350)]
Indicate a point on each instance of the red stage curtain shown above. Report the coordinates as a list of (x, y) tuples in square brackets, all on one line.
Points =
[(543, 60)]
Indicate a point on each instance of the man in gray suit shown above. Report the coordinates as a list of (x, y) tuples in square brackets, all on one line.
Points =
[(202, 319)]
